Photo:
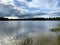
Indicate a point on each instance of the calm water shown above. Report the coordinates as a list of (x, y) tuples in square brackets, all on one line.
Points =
[(12, 32), (26, 26)]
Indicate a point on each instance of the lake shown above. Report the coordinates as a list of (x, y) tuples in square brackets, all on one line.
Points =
[(13, 32)]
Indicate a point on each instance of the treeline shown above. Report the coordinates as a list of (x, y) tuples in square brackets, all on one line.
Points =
[(55, 18)]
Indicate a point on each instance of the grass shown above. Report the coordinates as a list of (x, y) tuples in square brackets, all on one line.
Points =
[(56, 30), (39, 39)]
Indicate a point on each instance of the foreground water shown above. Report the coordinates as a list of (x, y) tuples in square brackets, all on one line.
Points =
[(28, 33)]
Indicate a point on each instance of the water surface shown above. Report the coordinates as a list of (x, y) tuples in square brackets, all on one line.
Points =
[(13, 32)]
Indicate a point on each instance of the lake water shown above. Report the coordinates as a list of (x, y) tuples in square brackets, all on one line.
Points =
[(11, 32)]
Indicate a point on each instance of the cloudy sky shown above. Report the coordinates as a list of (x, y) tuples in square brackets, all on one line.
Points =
[(20, 7)]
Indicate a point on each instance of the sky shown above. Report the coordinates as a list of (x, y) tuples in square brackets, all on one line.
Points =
[(31, 6)]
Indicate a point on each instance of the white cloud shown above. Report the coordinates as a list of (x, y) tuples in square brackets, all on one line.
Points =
[(7, 2), (40, 4), (42, 16), (45, 4), (35, 3), (23, 11), (11, 10), (22, 0), (54, 10), (8, 6)]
